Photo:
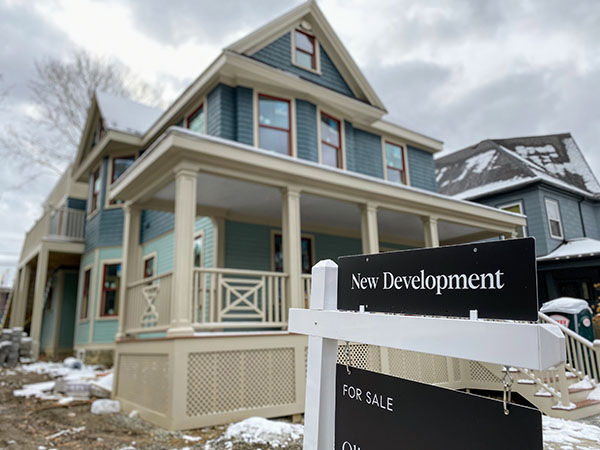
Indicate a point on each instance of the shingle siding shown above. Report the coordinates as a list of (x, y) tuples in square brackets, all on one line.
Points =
[(244, 115), (247, 246), (306, 128), (278, 54), (421, 169), (221, 112), (363, 151), (155, 223)]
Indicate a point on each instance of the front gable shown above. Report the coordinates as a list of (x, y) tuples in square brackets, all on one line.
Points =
[(273, 44)]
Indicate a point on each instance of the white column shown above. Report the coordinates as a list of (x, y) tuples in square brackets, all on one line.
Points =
[(430, 229), (183, 268), (291, 244), (41, 275), (130, 265), (369, 228)]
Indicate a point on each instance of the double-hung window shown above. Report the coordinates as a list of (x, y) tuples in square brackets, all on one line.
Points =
[(195, 121), (394, 160), (274, 124), (305, 51), (331, 141), (95, 190), (554, 223), (515, 208), (110, 290), (85, 296)]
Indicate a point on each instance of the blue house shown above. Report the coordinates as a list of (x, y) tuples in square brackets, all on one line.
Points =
[(547, 179), (202, 222)]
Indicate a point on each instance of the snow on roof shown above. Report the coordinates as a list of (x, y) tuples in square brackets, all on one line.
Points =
[(575, 248), (125, 115), (499, 164), (567, 305)]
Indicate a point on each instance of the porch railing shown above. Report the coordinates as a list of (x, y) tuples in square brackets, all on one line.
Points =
[(239, 299), (148, 305), (306, 286), (67, 222)]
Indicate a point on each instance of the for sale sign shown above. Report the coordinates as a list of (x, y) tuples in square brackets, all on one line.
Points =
[(498, 279)]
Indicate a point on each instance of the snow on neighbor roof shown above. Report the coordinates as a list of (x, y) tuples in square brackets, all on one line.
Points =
[(575, 248), (500, 164), (125, 115), (567, 305)]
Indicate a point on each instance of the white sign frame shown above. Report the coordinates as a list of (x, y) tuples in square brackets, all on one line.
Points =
[(515, 344)]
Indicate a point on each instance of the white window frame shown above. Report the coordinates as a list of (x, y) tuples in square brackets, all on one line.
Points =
[(518, 203), (549, 201)]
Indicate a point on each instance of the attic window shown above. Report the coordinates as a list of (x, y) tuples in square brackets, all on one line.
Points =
[(305, 50)]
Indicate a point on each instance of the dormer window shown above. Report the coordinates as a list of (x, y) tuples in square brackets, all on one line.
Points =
[(305, 50), (195, 121)]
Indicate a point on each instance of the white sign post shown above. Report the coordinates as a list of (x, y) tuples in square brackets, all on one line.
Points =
[(516, 344)]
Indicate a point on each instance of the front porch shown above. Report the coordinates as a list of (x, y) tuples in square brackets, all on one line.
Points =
[(272, 217)]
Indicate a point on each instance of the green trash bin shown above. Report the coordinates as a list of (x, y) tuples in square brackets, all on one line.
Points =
[(573, 313)]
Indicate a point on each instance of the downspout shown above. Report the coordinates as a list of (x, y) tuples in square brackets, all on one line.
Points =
[(581, 217)]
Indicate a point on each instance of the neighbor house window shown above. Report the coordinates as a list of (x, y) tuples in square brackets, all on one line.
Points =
[(198, 250), (119, 166), (274, 124), (195, 121), (331, 141), (305, 50), (515, 208), (307, 260), (110, 290), (85, 296), (394, 160), (553, 213), (95, 190), (149, 267)]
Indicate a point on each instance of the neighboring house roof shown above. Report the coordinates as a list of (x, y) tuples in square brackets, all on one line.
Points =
[(125, 115), (574, 248), (496, 165)]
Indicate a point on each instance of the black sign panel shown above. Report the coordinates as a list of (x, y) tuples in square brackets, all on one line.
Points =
[(379, 412), (498, 279)]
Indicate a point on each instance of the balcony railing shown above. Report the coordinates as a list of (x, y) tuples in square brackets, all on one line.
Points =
[(67, 223), (222, 299)]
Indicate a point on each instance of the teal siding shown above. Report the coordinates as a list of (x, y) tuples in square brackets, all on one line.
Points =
[(68, 311), (569, 215), (105, 331), (332, 247), (278, 54), (205, 225), (221, 112), (363, 151), (82, 333), (244, 115), (76, 203), (155, 223), (48, 317), (306, 129), (247, 246), (592, 230), (421, 169), (82, 329)]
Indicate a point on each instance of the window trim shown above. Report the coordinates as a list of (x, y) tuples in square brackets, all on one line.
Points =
[(94, 198), (186, 121), (278, 231), (100, 303), (316, 53), (521, 206), (342, 137), (145, 259), (291, 117), (405, 179), (562, 231), (86, 269)]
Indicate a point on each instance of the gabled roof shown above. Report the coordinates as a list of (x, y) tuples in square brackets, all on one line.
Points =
[(310, 12), (125, 115), (502, 164)]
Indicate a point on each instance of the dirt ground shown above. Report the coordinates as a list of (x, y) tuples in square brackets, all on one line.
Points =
[(29, 423)]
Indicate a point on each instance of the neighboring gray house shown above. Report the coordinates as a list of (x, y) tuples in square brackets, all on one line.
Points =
[(548, 179)]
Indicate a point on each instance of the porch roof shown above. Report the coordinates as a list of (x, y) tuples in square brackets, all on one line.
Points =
[(147, 181)]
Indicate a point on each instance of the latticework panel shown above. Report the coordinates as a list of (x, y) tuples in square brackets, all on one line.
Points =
[(362, 356), (480, 374), (219, 382), (144, 379), (418, 366), (456, 368)]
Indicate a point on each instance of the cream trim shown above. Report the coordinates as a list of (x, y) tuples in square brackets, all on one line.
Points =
[(317, 69), (520, 204), (146, 257), (384, 140), (92, 312), (84, 269)]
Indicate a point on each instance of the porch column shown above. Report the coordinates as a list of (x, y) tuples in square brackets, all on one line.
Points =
[(130, 265), (369, 228), (430, 228), (41, 275), (291, 244), (183, 267)]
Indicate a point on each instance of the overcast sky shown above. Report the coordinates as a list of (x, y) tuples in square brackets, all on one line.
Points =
[(457, 70)]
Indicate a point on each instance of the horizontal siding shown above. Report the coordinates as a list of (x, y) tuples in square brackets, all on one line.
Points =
[(68, 313), (205, 225), (76, 203), (363, 151), (92, 232), (421, 169), (592, 230), (155, 223), (244, 115), (278, 54), (164, 249), (221, 115), (105, 331), (82, 333), (306, 130), (332, 247), (247, 246)]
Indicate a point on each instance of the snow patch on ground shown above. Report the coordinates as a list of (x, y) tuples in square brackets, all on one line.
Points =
[(568, 432), (257, 430)]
